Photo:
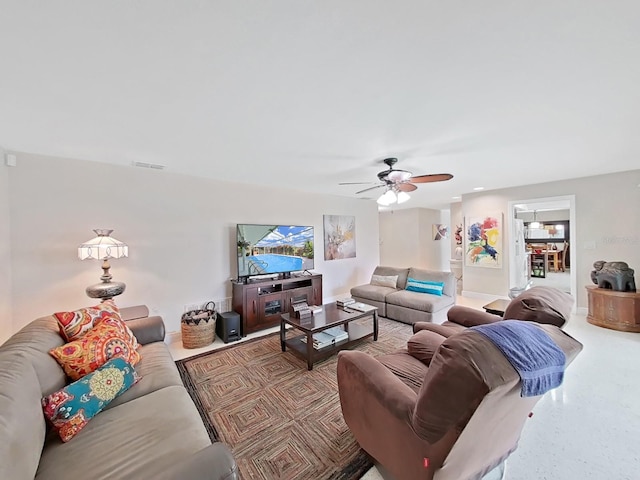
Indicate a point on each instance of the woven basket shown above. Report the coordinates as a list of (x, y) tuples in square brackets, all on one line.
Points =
[(198, 327)]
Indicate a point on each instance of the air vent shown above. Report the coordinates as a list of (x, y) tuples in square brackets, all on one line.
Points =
[(155, 166)]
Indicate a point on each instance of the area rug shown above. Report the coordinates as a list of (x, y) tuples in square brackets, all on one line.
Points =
[(280, 420)]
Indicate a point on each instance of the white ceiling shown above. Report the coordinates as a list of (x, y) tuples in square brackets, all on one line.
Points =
[(306, 94)]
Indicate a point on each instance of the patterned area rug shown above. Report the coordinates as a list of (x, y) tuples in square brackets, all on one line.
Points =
[(280, 420)]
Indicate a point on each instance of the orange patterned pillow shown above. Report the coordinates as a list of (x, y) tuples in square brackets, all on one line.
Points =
[(104, 341), (75, 324), (117, 322)]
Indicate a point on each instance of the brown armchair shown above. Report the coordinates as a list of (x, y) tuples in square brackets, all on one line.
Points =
[(444, 408), (537, 304)]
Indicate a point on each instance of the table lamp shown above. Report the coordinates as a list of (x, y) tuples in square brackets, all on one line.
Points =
[(103, 247)]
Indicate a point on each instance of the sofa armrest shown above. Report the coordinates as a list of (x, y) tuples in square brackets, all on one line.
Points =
[(214, 462), (470, 317), (444, 330), (147, 329), (362, 378)]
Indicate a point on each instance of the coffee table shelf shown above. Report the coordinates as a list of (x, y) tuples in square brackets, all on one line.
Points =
[(331, 316)]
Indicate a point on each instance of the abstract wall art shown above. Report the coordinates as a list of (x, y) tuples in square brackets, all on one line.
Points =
[(440, 231), (339, 237), (483, 240)]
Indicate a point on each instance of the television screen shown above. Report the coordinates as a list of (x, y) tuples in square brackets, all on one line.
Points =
[(266, 249)]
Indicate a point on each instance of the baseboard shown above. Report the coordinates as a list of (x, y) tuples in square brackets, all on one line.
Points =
[(172, 337)]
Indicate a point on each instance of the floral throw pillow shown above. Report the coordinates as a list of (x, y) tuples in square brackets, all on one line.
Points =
[(103, 342), (70, 409), (74, 324)]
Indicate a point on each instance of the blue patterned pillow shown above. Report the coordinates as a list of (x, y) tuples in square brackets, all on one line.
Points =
[(70, 409), (425, 286)]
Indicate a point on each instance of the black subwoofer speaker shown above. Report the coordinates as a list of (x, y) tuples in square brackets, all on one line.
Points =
[(228, 326)]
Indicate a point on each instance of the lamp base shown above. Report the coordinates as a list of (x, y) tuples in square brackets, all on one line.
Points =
[(105, 290)]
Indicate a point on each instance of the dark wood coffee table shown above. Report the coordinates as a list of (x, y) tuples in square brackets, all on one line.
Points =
[(331, 316)]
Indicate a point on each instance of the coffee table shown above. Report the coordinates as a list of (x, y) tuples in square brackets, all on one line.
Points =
[(331, 316)]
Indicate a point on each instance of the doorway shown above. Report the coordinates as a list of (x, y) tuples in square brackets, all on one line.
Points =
[(548, 215)]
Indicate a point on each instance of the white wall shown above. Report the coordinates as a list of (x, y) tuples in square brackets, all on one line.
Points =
[(434, 254), (406, 239), (5, 253), (399, 231), (180, 231), (607, 226)]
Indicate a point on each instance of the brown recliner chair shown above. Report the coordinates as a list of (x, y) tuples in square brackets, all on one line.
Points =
[(545, 305), (444, 408)]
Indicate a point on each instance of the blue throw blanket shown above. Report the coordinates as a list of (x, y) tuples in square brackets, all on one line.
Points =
[(533, 353)]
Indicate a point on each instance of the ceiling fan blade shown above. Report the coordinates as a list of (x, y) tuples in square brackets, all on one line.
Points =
[(435, 177), (406, 187), (356, 183), (371, 188)]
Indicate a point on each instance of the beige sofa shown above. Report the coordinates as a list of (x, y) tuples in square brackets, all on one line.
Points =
[(397, 303), (152, 431)]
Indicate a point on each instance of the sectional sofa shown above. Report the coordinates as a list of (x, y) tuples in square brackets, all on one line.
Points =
[(151, 431), (409, 295)]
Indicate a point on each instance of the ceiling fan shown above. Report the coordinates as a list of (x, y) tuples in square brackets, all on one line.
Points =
[(398, 182)]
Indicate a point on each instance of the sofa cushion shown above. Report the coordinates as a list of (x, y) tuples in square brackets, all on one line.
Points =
[(385, 280), (425, 286), (21, 422), (131, 440), (103, 342), (70, 409), (372, 292), (419, 301), (402, 274), (465, 368), (436, 276), (423, 345), (157, 369), (542, 305), (408, 369), (75, 324)]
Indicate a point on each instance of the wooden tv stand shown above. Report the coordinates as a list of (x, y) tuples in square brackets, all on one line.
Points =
[(616, 310), (261, 302)]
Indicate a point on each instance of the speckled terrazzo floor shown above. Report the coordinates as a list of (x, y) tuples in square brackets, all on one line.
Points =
[(589, 427)]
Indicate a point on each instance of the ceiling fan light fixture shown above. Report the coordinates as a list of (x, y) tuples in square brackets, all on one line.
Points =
[(387, 198), (403, 197)]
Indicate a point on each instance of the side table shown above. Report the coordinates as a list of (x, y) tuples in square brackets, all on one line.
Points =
[(615, 310), (497, 307)]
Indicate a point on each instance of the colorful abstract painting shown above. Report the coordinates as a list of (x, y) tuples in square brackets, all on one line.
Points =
[(339, 237), (483, 237)]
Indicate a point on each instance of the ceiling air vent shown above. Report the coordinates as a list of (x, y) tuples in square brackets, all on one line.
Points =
[(155, 166)]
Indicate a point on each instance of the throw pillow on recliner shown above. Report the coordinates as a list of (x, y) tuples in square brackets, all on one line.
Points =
[(542, 305), (423, 345)]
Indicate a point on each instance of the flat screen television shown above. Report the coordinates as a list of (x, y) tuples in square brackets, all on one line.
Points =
[(269, 249)]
